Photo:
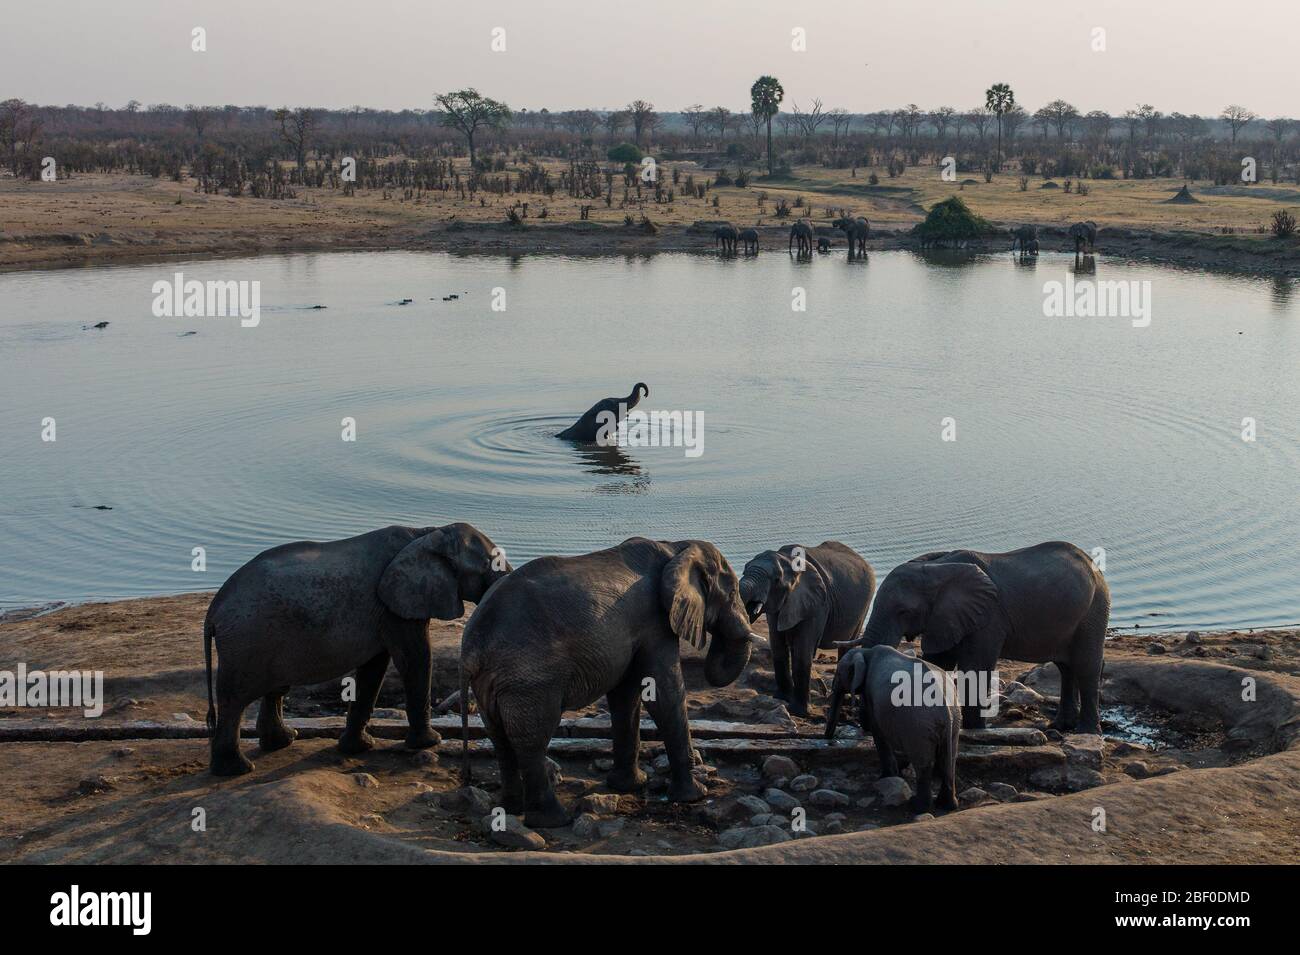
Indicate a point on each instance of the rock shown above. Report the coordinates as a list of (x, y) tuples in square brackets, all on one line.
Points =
[(610, 827), (468, 799), (719, 815), (426, 757), (893, 790), (388, 714), (1024, 696), (1155, 648), (661, 764), (1083, 749), (1127, 747), (833, 826), (585, 828), (1031, 797), (422, 788), (866, 802), (804, 783), (657, 784), (123, 751), (515, 835), (781, 801), (779, 782), (775, 766), (922, 817), (868, 826), (95, 784), (365, 780), (828, 799), (372, 819), (1071, 778), (1002, 792), (1192, 638), (972, 796), (753, 804), (808, 830), (599, 803), (749, 837), (779, 716), (1145, 770), (764, 819), (602, 765)]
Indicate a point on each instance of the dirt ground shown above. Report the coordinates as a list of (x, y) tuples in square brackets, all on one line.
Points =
[(1189, 772), (102, 218)]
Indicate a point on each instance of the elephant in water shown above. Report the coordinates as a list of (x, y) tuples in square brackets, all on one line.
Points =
[(857, 231), (926, 731), (308, 612), (750, 238), (813, 598), (1043, 604), (1023, 236), (587, 428), (1083, 234), (802, 233), (561, 632), (726, 236)]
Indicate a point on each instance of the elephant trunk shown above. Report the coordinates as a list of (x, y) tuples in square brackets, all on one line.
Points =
[(833, 708), (639, 390), (728, 651)]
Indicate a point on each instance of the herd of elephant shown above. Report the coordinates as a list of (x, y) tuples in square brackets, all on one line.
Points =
[(1083, 234), (856, 229), (559, 633)]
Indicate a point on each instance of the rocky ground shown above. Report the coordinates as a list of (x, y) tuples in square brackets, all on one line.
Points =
[(1173, 721)]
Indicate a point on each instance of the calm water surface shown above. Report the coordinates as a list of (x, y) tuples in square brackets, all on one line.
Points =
[(823, 424)]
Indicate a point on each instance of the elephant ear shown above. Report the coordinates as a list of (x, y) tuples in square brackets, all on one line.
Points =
[(682, 590), (807, 598), (963, 596), (420, 582)]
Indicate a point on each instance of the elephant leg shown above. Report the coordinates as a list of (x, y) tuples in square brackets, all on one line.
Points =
[(226, 759), (924, 798), (369, 676), (414, 660), (668, 710), (1087, 684), (1067, 711), (888, 761), (512, 784), (780, 647), (625, 724), (530, 736), (803, 647), (947, 765), (272, 734)]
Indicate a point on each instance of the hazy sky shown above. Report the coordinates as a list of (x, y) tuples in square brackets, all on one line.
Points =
[(863, 55)]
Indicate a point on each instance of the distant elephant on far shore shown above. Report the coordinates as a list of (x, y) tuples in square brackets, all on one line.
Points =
[(1083, 234), (726, 236), (750, 239), (802, 233), (1023, 236)]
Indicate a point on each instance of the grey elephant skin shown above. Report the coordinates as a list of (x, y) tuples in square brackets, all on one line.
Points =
[(561, 632), (814, 597), (726, 236), (1084, 235), (587, 428), (749, 238), (857, 231), (801, 233), (1025, 236), (910, 708), (1042, 604), (308, 612)]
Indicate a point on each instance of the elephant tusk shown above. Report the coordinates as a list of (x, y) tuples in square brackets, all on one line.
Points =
[(757, 640)]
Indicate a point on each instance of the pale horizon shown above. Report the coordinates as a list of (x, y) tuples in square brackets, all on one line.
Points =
[(394, 54)]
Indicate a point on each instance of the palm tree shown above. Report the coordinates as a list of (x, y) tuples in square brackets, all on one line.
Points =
[(765, 98), (1000, 100)]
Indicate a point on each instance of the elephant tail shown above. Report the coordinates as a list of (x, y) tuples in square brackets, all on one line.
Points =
[(208, 634), (465, 777)]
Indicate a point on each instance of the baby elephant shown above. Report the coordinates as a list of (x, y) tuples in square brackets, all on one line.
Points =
[(813, 597), (910, 708), (309, 612)]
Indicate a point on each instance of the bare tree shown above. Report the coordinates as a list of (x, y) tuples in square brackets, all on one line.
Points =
[(198, 117), (1238, 117), (1278, 128), (721, 117), (979, 119), (1060, 114), (840, 119), (19, 124), (807, 123), (296, 129), (641, 113), (615, 123), (942, 118), (695, 118), (469, 111)]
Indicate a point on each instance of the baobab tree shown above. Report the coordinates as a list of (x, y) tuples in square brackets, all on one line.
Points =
[(469, 111), (643, 117), (999, 99), (615, 121), (1237, 118), (765, 101), (721, 118)]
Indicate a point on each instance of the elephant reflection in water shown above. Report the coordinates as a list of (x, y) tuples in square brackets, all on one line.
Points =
[(1084, 265), (613, 460)]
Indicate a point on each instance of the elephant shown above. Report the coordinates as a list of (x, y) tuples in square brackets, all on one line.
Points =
[(802, 233), (1041, 604), (1023, 236), (857, 231), (308, 612), (726, 235), (750, 238), (823, 244), (587, 428), (813, 597), (902, 719), (1083, 233), (561, 632), (1033, 246)]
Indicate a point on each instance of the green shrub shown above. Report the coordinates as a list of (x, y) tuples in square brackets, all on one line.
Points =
[(624, 152), (951, 221)]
